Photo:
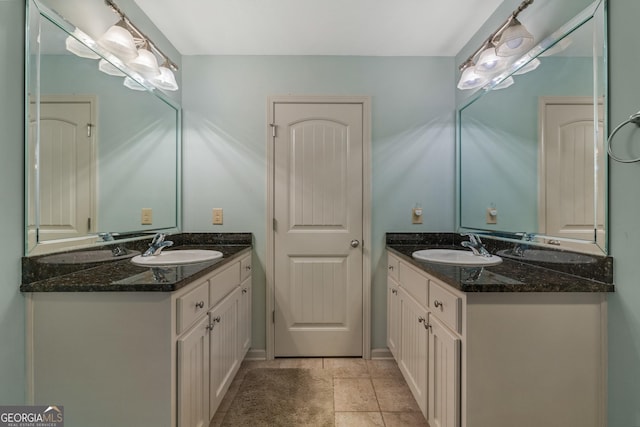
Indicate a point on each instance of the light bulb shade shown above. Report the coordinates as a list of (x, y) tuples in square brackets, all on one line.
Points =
[(470, 79), (514, 40), (490, 63), (166, 80), (505, 83), (145, 63), (119, 41), (132, 84), (78, 48), (108, 68), (532, 65)]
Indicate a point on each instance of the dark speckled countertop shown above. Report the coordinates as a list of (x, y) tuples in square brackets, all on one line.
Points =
[(595, 275), (120, 275)]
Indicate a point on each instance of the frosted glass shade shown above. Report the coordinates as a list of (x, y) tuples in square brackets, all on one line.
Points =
[(132, 84), (166, 80), (532, 65), (79, 49), (145, 63), (514, 40), (108, 68), (504, 84), (490, 63), (119, 41), (470, 79)]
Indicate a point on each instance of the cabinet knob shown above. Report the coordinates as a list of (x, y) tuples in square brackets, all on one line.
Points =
[(421, 319), (437, 304), (216, 319), (200, 304), (244, 291), (391, 267), (394, 291), (248, 267), (427, 326)]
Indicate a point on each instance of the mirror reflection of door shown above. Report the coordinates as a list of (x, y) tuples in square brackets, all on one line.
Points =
[(63, 168), (569, 189)]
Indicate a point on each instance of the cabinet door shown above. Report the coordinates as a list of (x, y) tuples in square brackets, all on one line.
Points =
[(193, 376), (393, 317), (244, 325), (444, 375), (224, 353), (414, 347)]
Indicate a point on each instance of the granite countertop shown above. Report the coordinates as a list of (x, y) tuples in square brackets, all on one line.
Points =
[(508, 276), (123, 276)]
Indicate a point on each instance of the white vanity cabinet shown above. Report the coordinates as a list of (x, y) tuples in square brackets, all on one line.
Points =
[(140, 358), (499, 359)]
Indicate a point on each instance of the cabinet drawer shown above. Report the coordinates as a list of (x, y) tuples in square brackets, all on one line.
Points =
[(245, 268), (445, 305), (414, 283), (392, 266), (191, 306), (223, 283)]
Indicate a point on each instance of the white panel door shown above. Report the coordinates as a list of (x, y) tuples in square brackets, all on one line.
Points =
[(65, 169), (318, 229), (193, 376), (570, 158)]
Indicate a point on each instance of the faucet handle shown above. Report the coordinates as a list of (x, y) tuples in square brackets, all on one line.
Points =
[(106, 237), (158, 238)]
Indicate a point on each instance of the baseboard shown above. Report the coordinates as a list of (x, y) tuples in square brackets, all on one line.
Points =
[(256, 354), (381, 353)]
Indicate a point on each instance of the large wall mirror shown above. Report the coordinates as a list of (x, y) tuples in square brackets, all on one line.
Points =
[(100, 157), (531, 157)]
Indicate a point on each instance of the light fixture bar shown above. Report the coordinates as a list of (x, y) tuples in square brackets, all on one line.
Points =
[(141, 35), (492, 38)]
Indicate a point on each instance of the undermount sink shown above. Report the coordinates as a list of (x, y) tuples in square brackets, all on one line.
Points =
[(86, 257), (544, 256), (177, 257), (456, 257)]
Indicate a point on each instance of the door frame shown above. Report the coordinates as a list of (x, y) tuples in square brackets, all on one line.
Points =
[(365, 101)]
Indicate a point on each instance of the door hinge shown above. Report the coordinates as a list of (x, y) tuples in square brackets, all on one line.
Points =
[(273, 316), (275, 225), (89, 126), (273, 129), (89, 224)]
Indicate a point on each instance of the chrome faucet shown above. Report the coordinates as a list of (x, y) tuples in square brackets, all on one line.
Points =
[(116, 250), (157, 245), (520, 248), (475, 244)]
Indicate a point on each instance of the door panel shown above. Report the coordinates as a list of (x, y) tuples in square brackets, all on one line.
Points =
[(318, 214)]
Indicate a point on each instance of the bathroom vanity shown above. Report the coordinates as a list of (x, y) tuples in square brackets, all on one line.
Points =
[(508, 345), (120, 344)]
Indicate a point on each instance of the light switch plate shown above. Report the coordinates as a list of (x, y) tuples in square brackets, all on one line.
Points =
[(217, 216), (146, 217)]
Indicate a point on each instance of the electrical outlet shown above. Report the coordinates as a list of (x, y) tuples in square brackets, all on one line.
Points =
[(146, 218), (492, 216), (416, 216), (217, 216)]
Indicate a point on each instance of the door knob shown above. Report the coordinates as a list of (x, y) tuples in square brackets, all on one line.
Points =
[(355, 243)]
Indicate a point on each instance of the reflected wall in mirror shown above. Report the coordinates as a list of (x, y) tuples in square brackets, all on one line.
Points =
[(533, 153), (98, 153)]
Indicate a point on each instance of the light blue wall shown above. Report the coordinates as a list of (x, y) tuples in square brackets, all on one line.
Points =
[(624, 217), (12, 313), (225, 110)]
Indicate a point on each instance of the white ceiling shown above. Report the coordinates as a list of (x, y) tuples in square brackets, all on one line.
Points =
[(319, 27)]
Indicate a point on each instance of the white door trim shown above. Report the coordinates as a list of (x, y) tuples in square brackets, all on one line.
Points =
[(365, 101)]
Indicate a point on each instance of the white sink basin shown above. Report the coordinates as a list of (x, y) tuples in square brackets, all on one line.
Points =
[(456, 257), (177, 257), (86, 257)]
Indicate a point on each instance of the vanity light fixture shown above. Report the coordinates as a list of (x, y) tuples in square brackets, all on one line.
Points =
[(514, 39), (532, 65), (108, 68), (166, 80), (145, 63), (132, 84), (73, 45), (119, 41), (492, 56)]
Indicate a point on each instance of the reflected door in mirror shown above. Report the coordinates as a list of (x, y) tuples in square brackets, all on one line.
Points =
[(65, 167)]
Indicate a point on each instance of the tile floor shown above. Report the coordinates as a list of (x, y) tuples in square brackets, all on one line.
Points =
[(365, 392)]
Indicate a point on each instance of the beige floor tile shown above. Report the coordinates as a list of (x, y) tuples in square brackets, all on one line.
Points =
[(229, 396), (347, 367), (248, 365), (384, 369), (404, 419), (359, 419), (394, 395), (309, 363), (354, 394)]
